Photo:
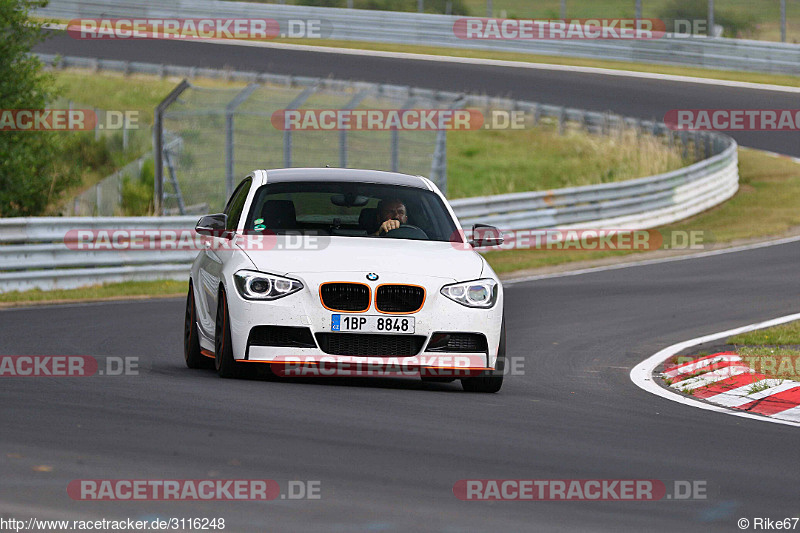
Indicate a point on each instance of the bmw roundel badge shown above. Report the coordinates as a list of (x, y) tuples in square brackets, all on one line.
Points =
[(372, 276)]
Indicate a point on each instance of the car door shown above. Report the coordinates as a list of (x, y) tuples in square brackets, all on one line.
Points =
[(217, 252)]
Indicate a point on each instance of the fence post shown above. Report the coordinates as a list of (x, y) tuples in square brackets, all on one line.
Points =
[(439, 163), (125, 133), (352, 104), (287, 134), (783, 21), (711, 18), (395, 149), (230, 110), (158, 145), (395, 139)]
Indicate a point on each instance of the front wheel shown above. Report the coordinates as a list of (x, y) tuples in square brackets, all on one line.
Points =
[(492, 381), (191, 341), (224, 362)]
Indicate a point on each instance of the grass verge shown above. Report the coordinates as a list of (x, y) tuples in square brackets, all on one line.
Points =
[(487, 162), (775, 336), (107, 291)]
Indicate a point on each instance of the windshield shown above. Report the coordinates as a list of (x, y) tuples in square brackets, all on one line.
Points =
[(350, 209)]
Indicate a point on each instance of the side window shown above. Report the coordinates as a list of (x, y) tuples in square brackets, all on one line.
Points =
[(236, 204)]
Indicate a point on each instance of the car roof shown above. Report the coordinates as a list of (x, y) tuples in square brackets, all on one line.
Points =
[(345, 174)]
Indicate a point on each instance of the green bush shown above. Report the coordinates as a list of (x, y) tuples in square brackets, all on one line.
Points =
[(137, 194), (31, 169), (86, 153)]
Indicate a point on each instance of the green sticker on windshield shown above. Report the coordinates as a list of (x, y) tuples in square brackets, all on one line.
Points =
[(258, 221), (260, 227)]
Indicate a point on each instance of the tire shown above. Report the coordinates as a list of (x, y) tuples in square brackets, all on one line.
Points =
[(224, 362), (492, 381), (191, 339)]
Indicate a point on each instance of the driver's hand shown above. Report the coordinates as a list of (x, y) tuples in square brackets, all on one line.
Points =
[(389, 225)]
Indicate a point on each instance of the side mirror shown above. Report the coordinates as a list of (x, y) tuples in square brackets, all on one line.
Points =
[(212, 225), (484, 235)]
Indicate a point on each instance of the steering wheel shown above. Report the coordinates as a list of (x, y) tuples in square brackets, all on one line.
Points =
[(407, 231)]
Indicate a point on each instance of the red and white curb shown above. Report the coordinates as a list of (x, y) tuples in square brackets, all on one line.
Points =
[(778, 403), (724, 379)]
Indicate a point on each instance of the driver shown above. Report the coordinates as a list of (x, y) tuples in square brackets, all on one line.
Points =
[(391, 214)]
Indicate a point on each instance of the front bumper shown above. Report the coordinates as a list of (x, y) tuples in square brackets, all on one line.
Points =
[(304, 309)]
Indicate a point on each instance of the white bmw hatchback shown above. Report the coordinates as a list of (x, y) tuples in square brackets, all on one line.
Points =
[(344, 266)]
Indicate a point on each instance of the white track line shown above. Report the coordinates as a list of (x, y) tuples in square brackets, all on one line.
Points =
[(642, 374), (492, 63)]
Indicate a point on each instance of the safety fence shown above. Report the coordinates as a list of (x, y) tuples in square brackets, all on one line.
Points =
[(438, 30)]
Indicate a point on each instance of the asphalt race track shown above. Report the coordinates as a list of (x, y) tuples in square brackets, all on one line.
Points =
[(388, 452)]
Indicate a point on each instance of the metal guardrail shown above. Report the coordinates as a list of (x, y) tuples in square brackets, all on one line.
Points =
[(437, 30), (34, 253)]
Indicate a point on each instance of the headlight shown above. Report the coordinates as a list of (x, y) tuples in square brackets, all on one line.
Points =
[(478, 293), (260, 286)]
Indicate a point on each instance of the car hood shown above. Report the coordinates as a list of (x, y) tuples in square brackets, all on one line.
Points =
[(286, 255)]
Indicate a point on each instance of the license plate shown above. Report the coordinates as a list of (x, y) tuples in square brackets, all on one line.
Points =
[(372, 324)]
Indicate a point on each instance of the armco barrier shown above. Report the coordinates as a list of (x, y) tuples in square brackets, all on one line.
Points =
[(437, 30), (33, 253)]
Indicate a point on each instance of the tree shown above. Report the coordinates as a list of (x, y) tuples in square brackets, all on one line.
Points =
[(29, 171)]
